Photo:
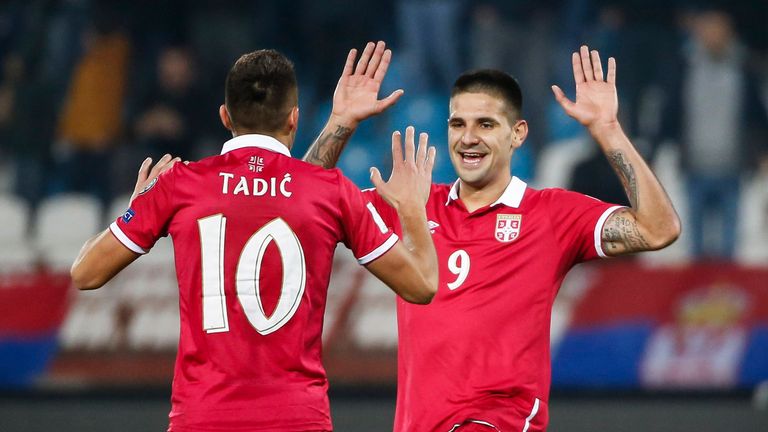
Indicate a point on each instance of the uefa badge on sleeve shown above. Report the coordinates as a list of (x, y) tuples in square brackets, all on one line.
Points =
[(508, 227), (128, 215)]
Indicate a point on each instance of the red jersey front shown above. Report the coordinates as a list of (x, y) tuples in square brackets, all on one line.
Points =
[(254, 233), (480, 350)]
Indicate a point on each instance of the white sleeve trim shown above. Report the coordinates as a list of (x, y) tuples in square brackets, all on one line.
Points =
[(599, 230), (379, 251), (125, 240)]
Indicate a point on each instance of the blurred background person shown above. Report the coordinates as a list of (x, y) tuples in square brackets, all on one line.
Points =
[(91, 121), (126, 336), (716, 115), (169, 115)]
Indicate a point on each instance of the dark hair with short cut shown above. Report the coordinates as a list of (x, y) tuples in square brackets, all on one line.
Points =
[(260, 91), (495, 83)]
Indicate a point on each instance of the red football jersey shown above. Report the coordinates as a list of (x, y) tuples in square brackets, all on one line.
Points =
[(480, 350), (254, 233)]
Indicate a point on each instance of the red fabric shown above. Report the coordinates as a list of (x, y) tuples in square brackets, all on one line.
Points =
[(483, 346), (652, 294), (32, 303), (241, 379)]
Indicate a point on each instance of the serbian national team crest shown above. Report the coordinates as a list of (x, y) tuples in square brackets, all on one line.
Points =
[(508, 227)]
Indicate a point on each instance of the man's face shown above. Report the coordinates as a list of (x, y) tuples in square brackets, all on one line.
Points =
[(480, 139)]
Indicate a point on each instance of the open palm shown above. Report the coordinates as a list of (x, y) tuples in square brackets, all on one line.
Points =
[(411, 177), (357, 93), (596, 100)]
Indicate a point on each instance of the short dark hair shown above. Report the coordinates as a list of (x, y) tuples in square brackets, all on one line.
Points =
[(494, 82), (261, 90)]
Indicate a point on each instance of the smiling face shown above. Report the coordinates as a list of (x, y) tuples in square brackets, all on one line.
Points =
[(482, 135)]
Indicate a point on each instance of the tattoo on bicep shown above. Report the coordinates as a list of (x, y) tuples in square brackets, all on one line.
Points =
[(326, 150), (621, 230), (627, 176)]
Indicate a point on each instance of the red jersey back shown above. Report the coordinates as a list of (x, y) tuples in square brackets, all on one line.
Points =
[(480, 350), (254, 233)]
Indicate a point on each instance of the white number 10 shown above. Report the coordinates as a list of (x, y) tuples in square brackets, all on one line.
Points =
[(212, 237), (458, 264)]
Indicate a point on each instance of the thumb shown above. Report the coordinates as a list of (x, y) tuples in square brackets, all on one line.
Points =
[(376, 178), (389, 100), (562, 99)]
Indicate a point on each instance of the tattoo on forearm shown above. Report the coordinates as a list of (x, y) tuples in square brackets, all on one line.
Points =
[(621, 230), (326, 149), (627, 176)]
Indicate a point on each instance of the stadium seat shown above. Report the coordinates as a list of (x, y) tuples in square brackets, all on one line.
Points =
[(16, 253), (91, 323), (64, 223), (558, 160), (666, 166), (752, 243), (373, 322), (117, 207), (356, 160)]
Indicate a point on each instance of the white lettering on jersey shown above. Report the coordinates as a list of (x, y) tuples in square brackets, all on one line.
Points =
[(242, 187), (258, 186), (225, 183), (377, 218)]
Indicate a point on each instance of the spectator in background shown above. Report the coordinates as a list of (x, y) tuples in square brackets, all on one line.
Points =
[(169, 117), (90, 124), (719, 121), (27, 117), (30, 88)]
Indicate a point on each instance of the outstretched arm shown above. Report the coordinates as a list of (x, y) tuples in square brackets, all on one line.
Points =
[(103, 256), (651, 223), (355, 99)]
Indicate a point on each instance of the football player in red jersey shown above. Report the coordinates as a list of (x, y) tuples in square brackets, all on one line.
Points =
[(254, 235), (477, 358)]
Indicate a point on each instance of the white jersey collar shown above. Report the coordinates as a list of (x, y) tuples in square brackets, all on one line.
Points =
[(255, 140), (511, 197)]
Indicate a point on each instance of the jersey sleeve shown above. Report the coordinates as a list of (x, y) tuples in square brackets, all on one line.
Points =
[(148, 217), (577, 221), (387, 213), (366, 233)]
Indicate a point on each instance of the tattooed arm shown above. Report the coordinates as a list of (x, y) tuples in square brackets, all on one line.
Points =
[(327, 147), (651, 222), (355, 99)]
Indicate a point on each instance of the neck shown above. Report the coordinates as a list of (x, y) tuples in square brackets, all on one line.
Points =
[(285, 138), (475, 197)]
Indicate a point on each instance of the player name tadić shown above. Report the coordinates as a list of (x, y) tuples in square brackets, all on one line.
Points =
[(255, 186)]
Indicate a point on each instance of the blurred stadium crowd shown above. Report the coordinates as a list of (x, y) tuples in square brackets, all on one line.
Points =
[(88, 89)]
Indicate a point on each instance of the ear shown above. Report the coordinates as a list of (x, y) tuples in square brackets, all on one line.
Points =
[(519, 133), (293, 119), (225, 119)]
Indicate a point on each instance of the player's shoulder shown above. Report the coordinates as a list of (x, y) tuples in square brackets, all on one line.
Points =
[(564, 197), (331, 174), (439, 192)]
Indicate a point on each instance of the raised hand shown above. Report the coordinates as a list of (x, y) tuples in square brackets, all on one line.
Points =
[(356, 97), (596, 100), (411, 177), (144, 180)]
